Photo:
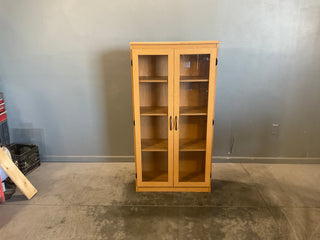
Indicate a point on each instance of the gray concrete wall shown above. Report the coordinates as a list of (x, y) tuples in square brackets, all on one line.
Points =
[(64, 68)]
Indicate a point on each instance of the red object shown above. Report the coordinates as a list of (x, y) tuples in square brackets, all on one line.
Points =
[(3, 113), (2, 108), (3, 116), (2, 198)]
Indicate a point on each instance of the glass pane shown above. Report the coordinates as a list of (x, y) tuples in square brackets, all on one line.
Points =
[(153, 90), (153, 68), (194, 67), (192, 166), (155, 166), (194, 80)]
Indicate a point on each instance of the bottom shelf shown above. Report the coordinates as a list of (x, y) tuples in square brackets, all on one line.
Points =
[(154, 166), (192, 176), (192, 166), (155, 176)]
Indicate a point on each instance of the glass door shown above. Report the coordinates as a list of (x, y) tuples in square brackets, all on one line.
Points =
[(153, 93), (193, 111)]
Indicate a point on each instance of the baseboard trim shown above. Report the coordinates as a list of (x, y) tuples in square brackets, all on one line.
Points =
[(68, 158), (274, 160), (215, 159)]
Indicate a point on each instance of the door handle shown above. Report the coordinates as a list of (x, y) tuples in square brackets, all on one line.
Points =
[(176, 123), (170, 123)]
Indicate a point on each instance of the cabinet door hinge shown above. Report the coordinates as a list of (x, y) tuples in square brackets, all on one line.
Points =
[(134, 122), (213, 122), (136, 176), (131, 63), (210, 175), (216, 62)]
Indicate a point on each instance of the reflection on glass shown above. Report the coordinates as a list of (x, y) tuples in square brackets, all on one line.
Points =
[(194, 80), (153, 91)]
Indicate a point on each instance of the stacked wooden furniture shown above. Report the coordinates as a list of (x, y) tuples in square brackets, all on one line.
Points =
[(173, 100)]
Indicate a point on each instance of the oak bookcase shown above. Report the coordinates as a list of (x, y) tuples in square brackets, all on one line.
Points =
[(173, 108)]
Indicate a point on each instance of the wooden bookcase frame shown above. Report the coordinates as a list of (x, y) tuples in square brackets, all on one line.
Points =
[(161, 89)]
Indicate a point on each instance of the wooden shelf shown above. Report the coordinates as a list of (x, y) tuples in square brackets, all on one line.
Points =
[(153, 78), (188, 145), (154, 145), (193, 79), (165, 79), (161, 145), (154, 176), (154, 111), (191, 176), (193, 111)]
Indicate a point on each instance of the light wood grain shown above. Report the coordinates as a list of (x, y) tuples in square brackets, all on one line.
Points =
[(170, 116), (210, 111), (136, 114), (155, 169), (175, 80), (154, 144), (155, 176), (154, 79), (194, 79), (173, 189), (198, 43), (134, 106), (193, 111), (192, 145), (154, 111), (176, 137), (16, 175), (191, 167), (192, 176)]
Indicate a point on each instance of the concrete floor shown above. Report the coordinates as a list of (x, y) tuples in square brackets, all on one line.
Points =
[(98, 201)]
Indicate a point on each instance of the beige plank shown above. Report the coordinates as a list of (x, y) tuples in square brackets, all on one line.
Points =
[(16, 175)]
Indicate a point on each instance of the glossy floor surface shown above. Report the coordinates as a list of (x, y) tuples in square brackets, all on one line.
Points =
[(98, 201)]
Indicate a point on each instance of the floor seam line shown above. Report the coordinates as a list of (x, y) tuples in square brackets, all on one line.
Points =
[(203, 206), (177, 206)]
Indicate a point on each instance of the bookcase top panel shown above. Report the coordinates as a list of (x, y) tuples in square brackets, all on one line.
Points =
[(174, 43)]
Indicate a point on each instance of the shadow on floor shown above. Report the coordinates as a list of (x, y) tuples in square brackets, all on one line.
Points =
[(231, 208), (223, 193)]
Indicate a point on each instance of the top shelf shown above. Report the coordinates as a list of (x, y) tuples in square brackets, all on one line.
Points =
[(153, 78), (193, 79), (165, 79)]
